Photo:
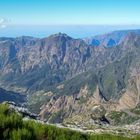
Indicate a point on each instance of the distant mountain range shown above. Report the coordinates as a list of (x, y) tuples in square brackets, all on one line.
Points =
[(63, 77), (109, 39)]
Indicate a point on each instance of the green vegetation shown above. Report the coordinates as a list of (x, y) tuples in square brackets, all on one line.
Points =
[(120, 118), (12, 127)]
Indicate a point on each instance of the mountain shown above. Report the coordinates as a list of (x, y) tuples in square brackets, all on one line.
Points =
[(45, 62), (64, 77), (110, 87), (110, 39)]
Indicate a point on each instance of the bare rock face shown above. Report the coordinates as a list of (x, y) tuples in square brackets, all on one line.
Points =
[(131, 97), (99, 98)]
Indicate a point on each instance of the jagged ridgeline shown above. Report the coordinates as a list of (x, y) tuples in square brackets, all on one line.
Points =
[(64, 77), (13, 127)]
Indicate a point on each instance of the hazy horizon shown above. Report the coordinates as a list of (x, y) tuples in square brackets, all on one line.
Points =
[(75, 31)]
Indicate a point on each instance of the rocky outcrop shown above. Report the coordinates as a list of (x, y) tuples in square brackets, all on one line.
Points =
[(72, 107)]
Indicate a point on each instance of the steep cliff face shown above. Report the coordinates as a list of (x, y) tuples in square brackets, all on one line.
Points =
[(49, 60)]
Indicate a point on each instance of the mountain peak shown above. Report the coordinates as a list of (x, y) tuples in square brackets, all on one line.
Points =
[(60, 35)]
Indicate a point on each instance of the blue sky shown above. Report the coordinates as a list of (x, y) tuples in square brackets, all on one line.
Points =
[(44, 12), (32, 16)]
